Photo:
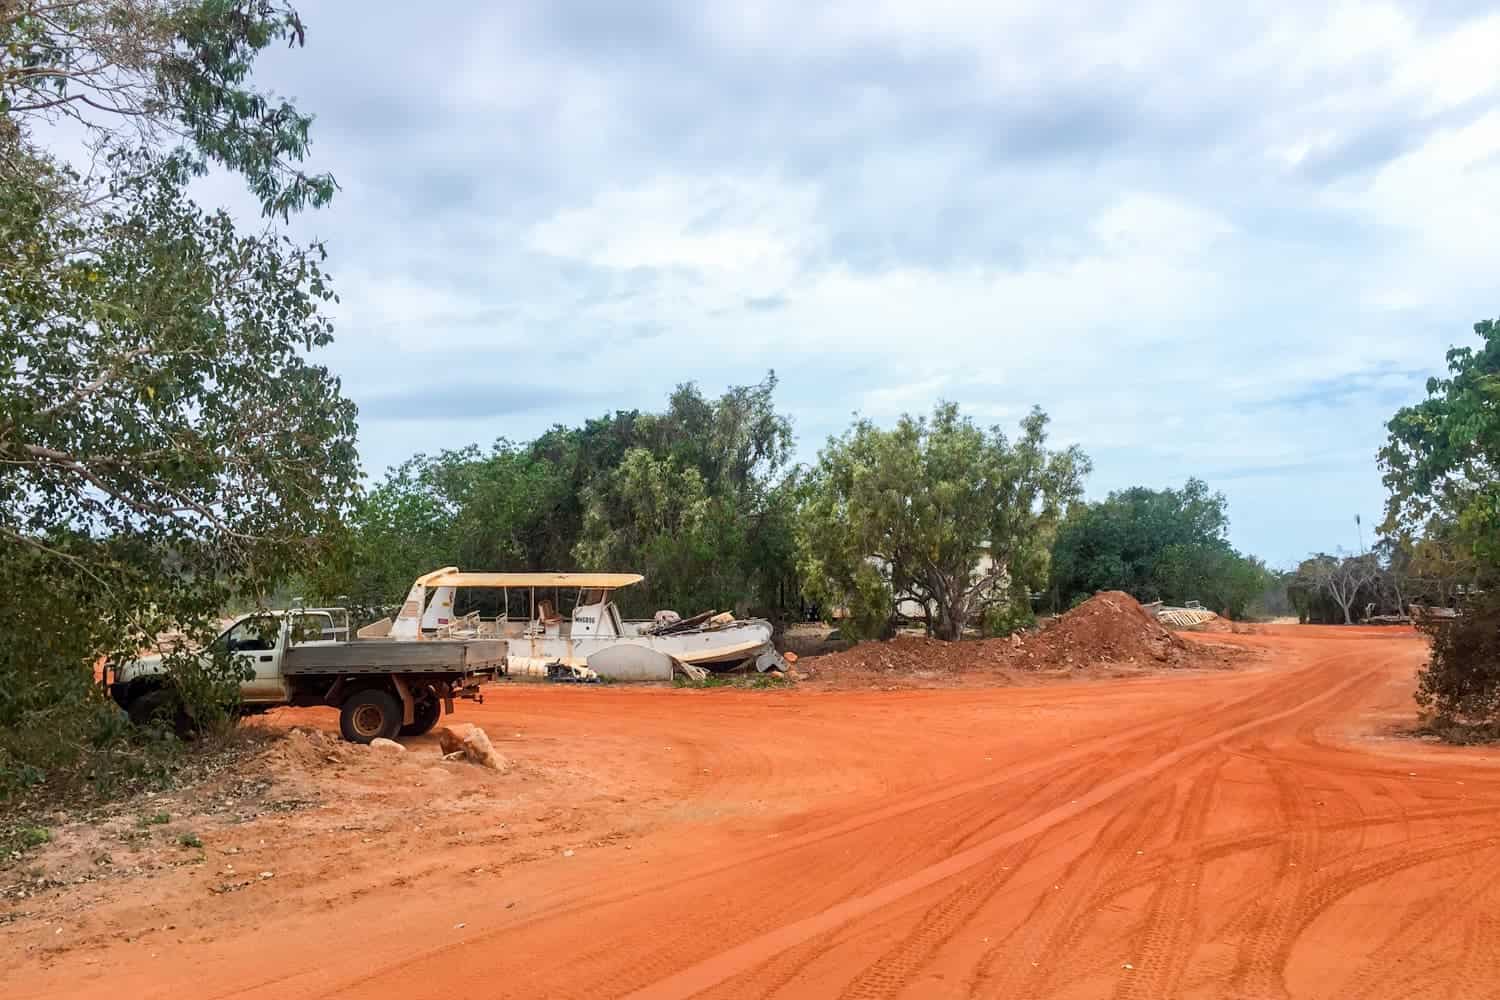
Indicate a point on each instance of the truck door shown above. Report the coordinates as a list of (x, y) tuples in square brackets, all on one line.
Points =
[(257, 641)]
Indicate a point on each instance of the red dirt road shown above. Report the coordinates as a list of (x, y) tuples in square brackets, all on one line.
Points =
[(1238, 835)]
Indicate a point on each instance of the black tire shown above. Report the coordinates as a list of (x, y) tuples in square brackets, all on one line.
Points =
[(155, 703), (425, 713), (161, 703), (370, 714)]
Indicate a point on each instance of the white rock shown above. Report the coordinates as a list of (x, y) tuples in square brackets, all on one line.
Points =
[(381, 743)]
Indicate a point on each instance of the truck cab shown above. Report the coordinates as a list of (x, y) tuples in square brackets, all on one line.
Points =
[(258, 640)]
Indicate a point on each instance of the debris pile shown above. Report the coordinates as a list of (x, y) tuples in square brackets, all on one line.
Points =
[(1110, 628), (306, 749)]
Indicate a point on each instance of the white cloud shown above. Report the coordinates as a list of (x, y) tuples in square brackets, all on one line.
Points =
[(737, 238), (1209, 239)]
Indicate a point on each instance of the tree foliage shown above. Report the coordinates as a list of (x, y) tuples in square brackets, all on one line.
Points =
[(1168, 544), (1441, 466), (158, 73), (1441, 462), (166, 447), (694, 498), (936, 511), (695, 502)]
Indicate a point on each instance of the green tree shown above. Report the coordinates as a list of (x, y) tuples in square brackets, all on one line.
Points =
[(935, 511), (1442, 458), (698, 502), (1336, 588), (1441, 465), (695, 497), (1443, 565), (1156, 545), (166, 447)]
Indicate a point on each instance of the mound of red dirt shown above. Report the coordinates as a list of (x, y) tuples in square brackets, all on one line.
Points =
[(1109, 628)]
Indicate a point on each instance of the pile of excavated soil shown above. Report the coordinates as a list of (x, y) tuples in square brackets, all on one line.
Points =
[(1110, 626), (1109, 630)]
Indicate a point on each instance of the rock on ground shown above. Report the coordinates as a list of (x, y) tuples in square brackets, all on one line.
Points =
[(475, 745)]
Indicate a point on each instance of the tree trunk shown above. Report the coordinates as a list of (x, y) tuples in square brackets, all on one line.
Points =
[(950, 623)]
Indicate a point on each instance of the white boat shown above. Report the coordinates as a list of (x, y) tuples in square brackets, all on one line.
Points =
[(594, 636)]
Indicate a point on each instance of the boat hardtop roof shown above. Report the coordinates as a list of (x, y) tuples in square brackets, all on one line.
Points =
[(450, 576)]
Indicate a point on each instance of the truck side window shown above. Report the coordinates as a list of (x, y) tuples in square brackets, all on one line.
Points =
[(253, 635)]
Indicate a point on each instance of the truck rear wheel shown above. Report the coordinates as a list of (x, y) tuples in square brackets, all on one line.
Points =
[(370, 714), (425, 713)]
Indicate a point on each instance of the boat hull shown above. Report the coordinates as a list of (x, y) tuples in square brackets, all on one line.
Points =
[(610, 656)]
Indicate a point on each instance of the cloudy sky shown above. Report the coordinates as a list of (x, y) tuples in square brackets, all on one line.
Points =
[(1208, 242)]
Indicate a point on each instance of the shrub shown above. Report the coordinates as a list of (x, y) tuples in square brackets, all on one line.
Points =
[(1461, 682), (1010, 616)]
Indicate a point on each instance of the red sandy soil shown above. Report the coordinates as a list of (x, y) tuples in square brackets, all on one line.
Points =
[(1265, 832)]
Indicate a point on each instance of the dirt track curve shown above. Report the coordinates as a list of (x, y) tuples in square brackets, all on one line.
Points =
[(1238, 835)]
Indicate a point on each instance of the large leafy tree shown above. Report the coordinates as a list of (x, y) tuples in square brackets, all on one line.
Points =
[(695, 497), (166, 446), (698, 503), (1441, 465), (1156, 545), (938, 512), (1442, 458), (460, 507)]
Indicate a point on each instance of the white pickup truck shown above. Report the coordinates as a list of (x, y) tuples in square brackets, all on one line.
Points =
[(382, 687)]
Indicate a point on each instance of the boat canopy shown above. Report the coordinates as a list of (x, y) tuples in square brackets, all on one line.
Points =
[(451, 577)]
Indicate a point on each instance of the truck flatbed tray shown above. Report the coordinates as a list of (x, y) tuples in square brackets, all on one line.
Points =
[(394, 656)]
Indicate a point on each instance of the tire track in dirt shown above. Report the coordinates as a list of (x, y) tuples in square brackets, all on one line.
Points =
[(855, 825), (667, 948), (732, 961), (940, 829), (1270, 932), (681, 940), (787, 968), (1418, 931), (1163, 950), (1014, 968)]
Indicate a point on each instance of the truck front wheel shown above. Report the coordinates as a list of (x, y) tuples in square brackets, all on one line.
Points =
[(160, 703), (425, 713), (369, 714)]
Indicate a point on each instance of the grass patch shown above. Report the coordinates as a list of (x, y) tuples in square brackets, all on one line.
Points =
[(190, 840), (17, 837), (72, 798)]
